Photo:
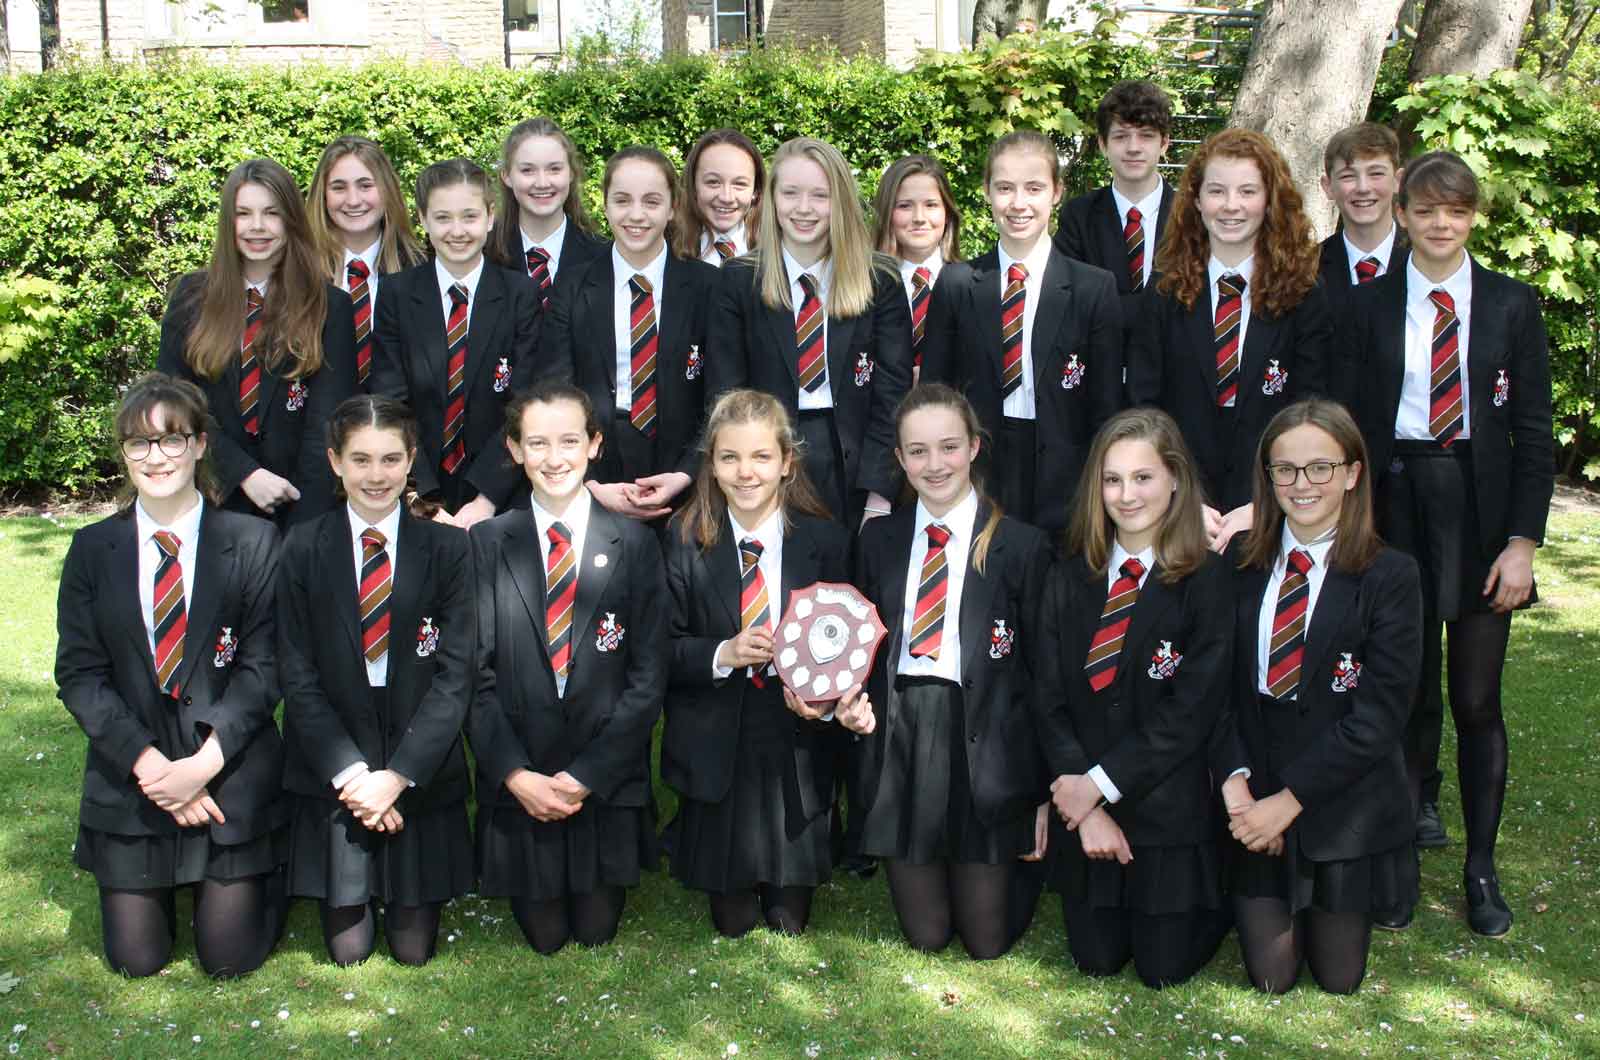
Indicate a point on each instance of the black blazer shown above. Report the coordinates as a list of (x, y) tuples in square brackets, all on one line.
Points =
[(1333, 266), (997, 676), (1151, 728), (328, 722), (1089, 230), (703, 714), (293, 439), (1172, 364), (578, 248), (1513, 447), (1344, 752), (600, 730), (410, 362), (1078, 317), (106, 675), (580, 330), (869, 363)]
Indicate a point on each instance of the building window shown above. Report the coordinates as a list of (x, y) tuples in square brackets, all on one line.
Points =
[(730, 28), (522, 15), (285, 10)]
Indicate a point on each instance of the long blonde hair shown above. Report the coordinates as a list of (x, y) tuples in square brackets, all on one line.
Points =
[(398, 247)]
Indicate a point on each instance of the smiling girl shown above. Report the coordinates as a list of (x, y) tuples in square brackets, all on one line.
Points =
[(721, 204), (543, 226), (919, 225)]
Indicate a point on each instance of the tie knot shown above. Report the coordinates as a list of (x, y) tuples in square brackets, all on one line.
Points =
[(168, 542), (1132, 568), (559, 534), (538, 256), (1017, 273), (752, 549), (1134, 216), (808, 283), (724, 248), (252, 299), (458, 293), (1231, 284), (1300, 561), (640, 283), (1441, 298), (372, 540), (938, 535), (922, 277), (356, 269)]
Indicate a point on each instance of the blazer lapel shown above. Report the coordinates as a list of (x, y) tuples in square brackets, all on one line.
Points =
[(339, 555), (897, 549), (1391, 342), (1108, 230), (986, 307), (1338, 595), (1486, 344), (674, 314), (1203, 340), (1251, 595), (122, 574), (599, 311), (435, 349), (727, 578), (799, 569), (523, 560), (1153, 241), (1335, 263), (412, 571), (602, 539), (213, 557), (1155, 599), (977, 596), (841, 330), (1260, 337), (1055, 294), (780, 326), (482, 325)]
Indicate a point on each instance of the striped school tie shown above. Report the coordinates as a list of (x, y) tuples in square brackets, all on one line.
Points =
[(1230, 308), (561, 589), (921, 294), (809, 341), (724, 248), (1133, 240), (1288, 647), (754, 606), (927, 619), (454, 448), (373, 601), (539, 273), (356, 275), (1366, 270), (249, 366), (642, 356), (1444, 392), (171, 623), (1011, 315), (1105, 647)]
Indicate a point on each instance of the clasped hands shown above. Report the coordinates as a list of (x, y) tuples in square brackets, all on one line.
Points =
[(547, 798), (1081, 806), (1258, 824), (179, 786), (371, 794)]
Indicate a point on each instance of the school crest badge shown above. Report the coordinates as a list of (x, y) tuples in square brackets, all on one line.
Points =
[(1002, 639), (608, 637), (427, 638), (692, 366), (297, 395), (227, 645), (1072, 373), (1276, 379), (1164, 663), (502, 376), (1346, 673), (1502, 388), (864, 366)]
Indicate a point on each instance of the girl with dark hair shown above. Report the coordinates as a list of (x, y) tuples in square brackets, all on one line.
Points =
[(720, 210), (376, 633), (269, 342), (165, 658)]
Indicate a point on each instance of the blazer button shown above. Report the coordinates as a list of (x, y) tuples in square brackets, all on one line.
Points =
[(973, 738), (188, 701), (967, 683)]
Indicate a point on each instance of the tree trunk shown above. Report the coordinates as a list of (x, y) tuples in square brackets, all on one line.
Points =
[(1304, 81), (1474, 37)]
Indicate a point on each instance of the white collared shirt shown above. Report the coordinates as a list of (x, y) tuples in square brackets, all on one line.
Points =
[(735, 235), (769, 532), (1411, 419), (1216, 270), (960, 521), (370, 258), (1353, 254), (1318, 550), (822, 273), (447, 281), (1020, 405), (1119, 556), (1149, 216), (622, 305), (576, 520), (550, 244), (389, 527), (908, 269), (186, 528)]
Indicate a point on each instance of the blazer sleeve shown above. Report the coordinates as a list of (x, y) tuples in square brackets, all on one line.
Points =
[(230, 463), (252, 694), (1380, 705), (1532, 437), (692, 657), (1058, 737), (891, 342), (83, 667), (612, 756), (495, 744), (325, 740), (1106, 341), (1314, 346), (438, 716), (1072, 237), (1145, 351), (334, 381), (726, 363), (1181, 725)]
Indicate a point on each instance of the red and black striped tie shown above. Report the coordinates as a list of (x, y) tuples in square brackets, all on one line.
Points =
[(1366, 270), (376, 584), (1105, 647), (561, 589), (1011, 317), (454, 448), (539, 273), (921, 292), (171, 623), (927, 620), (1230, 309), (642, 354), (754, 606), (249, 366), (1444, 391), (810, 341), (356, 275), (1133, 239), (1288, 646), (724, 247)]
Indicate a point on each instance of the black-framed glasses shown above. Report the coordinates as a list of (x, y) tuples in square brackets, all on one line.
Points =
[(1318, 472), (171, 445)]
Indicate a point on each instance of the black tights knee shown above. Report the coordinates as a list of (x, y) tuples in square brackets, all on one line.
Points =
[(1333, 945), (591, 918), (938, 901)]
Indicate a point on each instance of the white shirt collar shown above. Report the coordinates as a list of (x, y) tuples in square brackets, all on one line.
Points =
[(933, 263), (958, 520), (768, 531), (822, 272), (1458, 284), (1149, 206), (734, 235), (469, 281), (369, 256), (1119, 555), (388, 526), (655, 272), (1035, 262), (576, 516), (259, 288), (1318, 548), (185, 527), (550, 244), (1382, 251), (1215, 270)]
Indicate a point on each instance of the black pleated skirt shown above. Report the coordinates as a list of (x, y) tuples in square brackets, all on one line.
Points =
[(1371, 884), (1160, 880), (599, 846), (923, 811), (146, 862), (336, 858)]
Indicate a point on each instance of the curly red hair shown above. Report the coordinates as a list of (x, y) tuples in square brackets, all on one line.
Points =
[(1285, 255)]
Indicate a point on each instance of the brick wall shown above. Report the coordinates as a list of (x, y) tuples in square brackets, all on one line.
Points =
[(805, 21)]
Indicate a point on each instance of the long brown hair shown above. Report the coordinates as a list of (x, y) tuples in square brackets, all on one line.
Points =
[(938, 395), (889, 191), (691, 225), (1285, 253), (1355, 542), (505, 240), (398, 247), (290, 341), (705, 516), (640, 153), (1180, 544), (187, 413)]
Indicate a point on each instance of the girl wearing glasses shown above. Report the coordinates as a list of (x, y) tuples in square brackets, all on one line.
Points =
[(165, 658), (1328, 648)]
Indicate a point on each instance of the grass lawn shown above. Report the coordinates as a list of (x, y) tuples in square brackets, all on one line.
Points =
[(848, 988)]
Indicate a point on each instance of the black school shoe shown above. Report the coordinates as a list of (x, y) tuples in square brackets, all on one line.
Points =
[(1396, 919), (1487, 912), (1430, 829)]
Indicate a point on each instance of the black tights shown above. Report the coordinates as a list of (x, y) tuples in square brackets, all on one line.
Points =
[(236, 925), (1165, 949), (1333, 945), (785, 909), (351, 931), (591, 918), (946, 898)]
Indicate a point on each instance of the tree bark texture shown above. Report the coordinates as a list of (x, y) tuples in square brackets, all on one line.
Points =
[(1474, 37)]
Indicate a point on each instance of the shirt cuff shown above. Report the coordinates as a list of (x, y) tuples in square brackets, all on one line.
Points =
[(1242, 771), (1103, 782), (719, 673), (347, 774)]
